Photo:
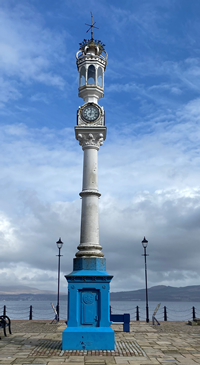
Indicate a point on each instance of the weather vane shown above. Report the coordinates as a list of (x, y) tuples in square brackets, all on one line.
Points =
[(91, 26)]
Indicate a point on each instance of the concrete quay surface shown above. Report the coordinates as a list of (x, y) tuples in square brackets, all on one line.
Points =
[(39, 342)]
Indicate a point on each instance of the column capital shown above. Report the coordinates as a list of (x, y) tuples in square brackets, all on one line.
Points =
[(90, 137)]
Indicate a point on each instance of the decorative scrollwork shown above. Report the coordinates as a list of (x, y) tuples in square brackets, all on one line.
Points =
[(88, 298), (90, 139)]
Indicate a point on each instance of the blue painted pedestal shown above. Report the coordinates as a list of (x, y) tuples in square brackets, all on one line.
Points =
[(88, 325)]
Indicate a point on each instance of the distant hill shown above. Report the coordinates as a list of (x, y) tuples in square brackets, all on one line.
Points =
[(23, 289), (52, 298), (161, 293), (22, 292)]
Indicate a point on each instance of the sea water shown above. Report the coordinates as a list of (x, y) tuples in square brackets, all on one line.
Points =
[(176, 311)]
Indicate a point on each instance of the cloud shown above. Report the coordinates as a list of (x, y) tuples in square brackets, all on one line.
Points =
[(8, 91), (192, 110), (30, 238), (169, 220), (29, 51), (32, 154), (40, 97), (181, 77)]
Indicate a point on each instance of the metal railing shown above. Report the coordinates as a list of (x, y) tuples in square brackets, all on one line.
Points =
[(136, 313), (167, 314), (29, 313)]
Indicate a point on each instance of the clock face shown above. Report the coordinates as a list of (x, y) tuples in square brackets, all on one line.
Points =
[(90, 113)]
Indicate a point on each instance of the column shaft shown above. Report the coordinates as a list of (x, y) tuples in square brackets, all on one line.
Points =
[(90, 168), (89, 237)]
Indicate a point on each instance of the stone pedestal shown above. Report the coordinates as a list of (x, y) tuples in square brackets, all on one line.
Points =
[(88, 325)]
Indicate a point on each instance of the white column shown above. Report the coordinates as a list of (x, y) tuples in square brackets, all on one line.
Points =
[(89, 237), (90, 168)]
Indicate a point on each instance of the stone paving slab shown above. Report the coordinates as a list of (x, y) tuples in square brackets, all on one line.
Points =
[(39, 343)]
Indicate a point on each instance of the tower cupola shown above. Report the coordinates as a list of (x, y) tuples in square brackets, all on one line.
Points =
[(91, 63)]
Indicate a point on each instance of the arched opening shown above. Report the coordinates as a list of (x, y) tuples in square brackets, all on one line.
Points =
[(100, 77), (82, 76), (91, 75)]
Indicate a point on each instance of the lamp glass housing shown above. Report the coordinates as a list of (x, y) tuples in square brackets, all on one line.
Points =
[(144, 243), (59, 243)]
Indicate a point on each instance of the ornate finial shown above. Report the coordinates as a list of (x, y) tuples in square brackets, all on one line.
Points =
[(91, 26)]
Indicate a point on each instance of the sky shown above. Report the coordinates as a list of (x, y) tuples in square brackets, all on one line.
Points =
[(149, 164)]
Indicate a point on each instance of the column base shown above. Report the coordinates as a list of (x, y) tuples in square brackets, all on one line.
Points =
[(89, 263), (74, 338)]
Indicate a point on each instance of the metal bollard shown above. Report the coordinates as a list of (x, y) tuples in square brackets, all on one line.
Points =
[(193, 313), (137, 314), (165, 313), (31, 313), (4, 310)]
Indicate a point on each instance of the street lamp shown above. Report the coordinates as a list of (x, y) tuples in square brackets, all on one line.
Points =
[(59, 245), (144, 244)]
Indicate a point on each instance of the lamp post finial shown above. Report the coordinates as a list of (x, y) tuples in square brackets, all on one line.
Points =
[(91, 26)]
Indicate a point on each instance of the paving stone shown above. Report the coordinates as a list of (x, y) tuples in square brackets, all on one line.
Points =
[(79, 359), (138, 360), (22, 361), (38, 342), (90, 359), (39, 361), (56, 363), (169, 363), (110, 360)]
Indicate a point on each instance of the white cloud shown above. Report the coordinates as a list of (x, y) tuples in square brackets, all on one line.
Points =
[(40, 97), (44, 154), (29, 51), (8, 91), (169, 220), (192, 110)]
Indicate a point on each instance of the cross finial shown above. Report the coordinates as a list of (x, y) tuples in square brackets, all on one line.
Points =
[(91, 26)]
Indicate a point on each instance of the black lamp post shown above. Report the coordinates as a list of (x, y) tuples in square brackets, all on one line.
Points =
[(59, 245), (144, 244)]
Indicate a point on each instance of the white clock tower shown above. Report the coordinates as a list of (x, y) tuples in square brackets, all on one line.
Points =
[(88, 325)]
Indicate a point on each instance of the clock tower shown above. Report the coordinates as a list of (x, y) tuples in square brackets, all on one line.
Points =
[(88, 325)]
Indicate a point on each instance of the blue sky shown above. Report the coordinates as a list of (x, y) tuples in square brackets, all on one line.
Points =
[(149, 165)]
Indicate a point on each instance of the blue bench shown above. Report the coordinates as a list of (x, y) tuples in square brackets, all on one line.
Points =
[(125, 318)]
